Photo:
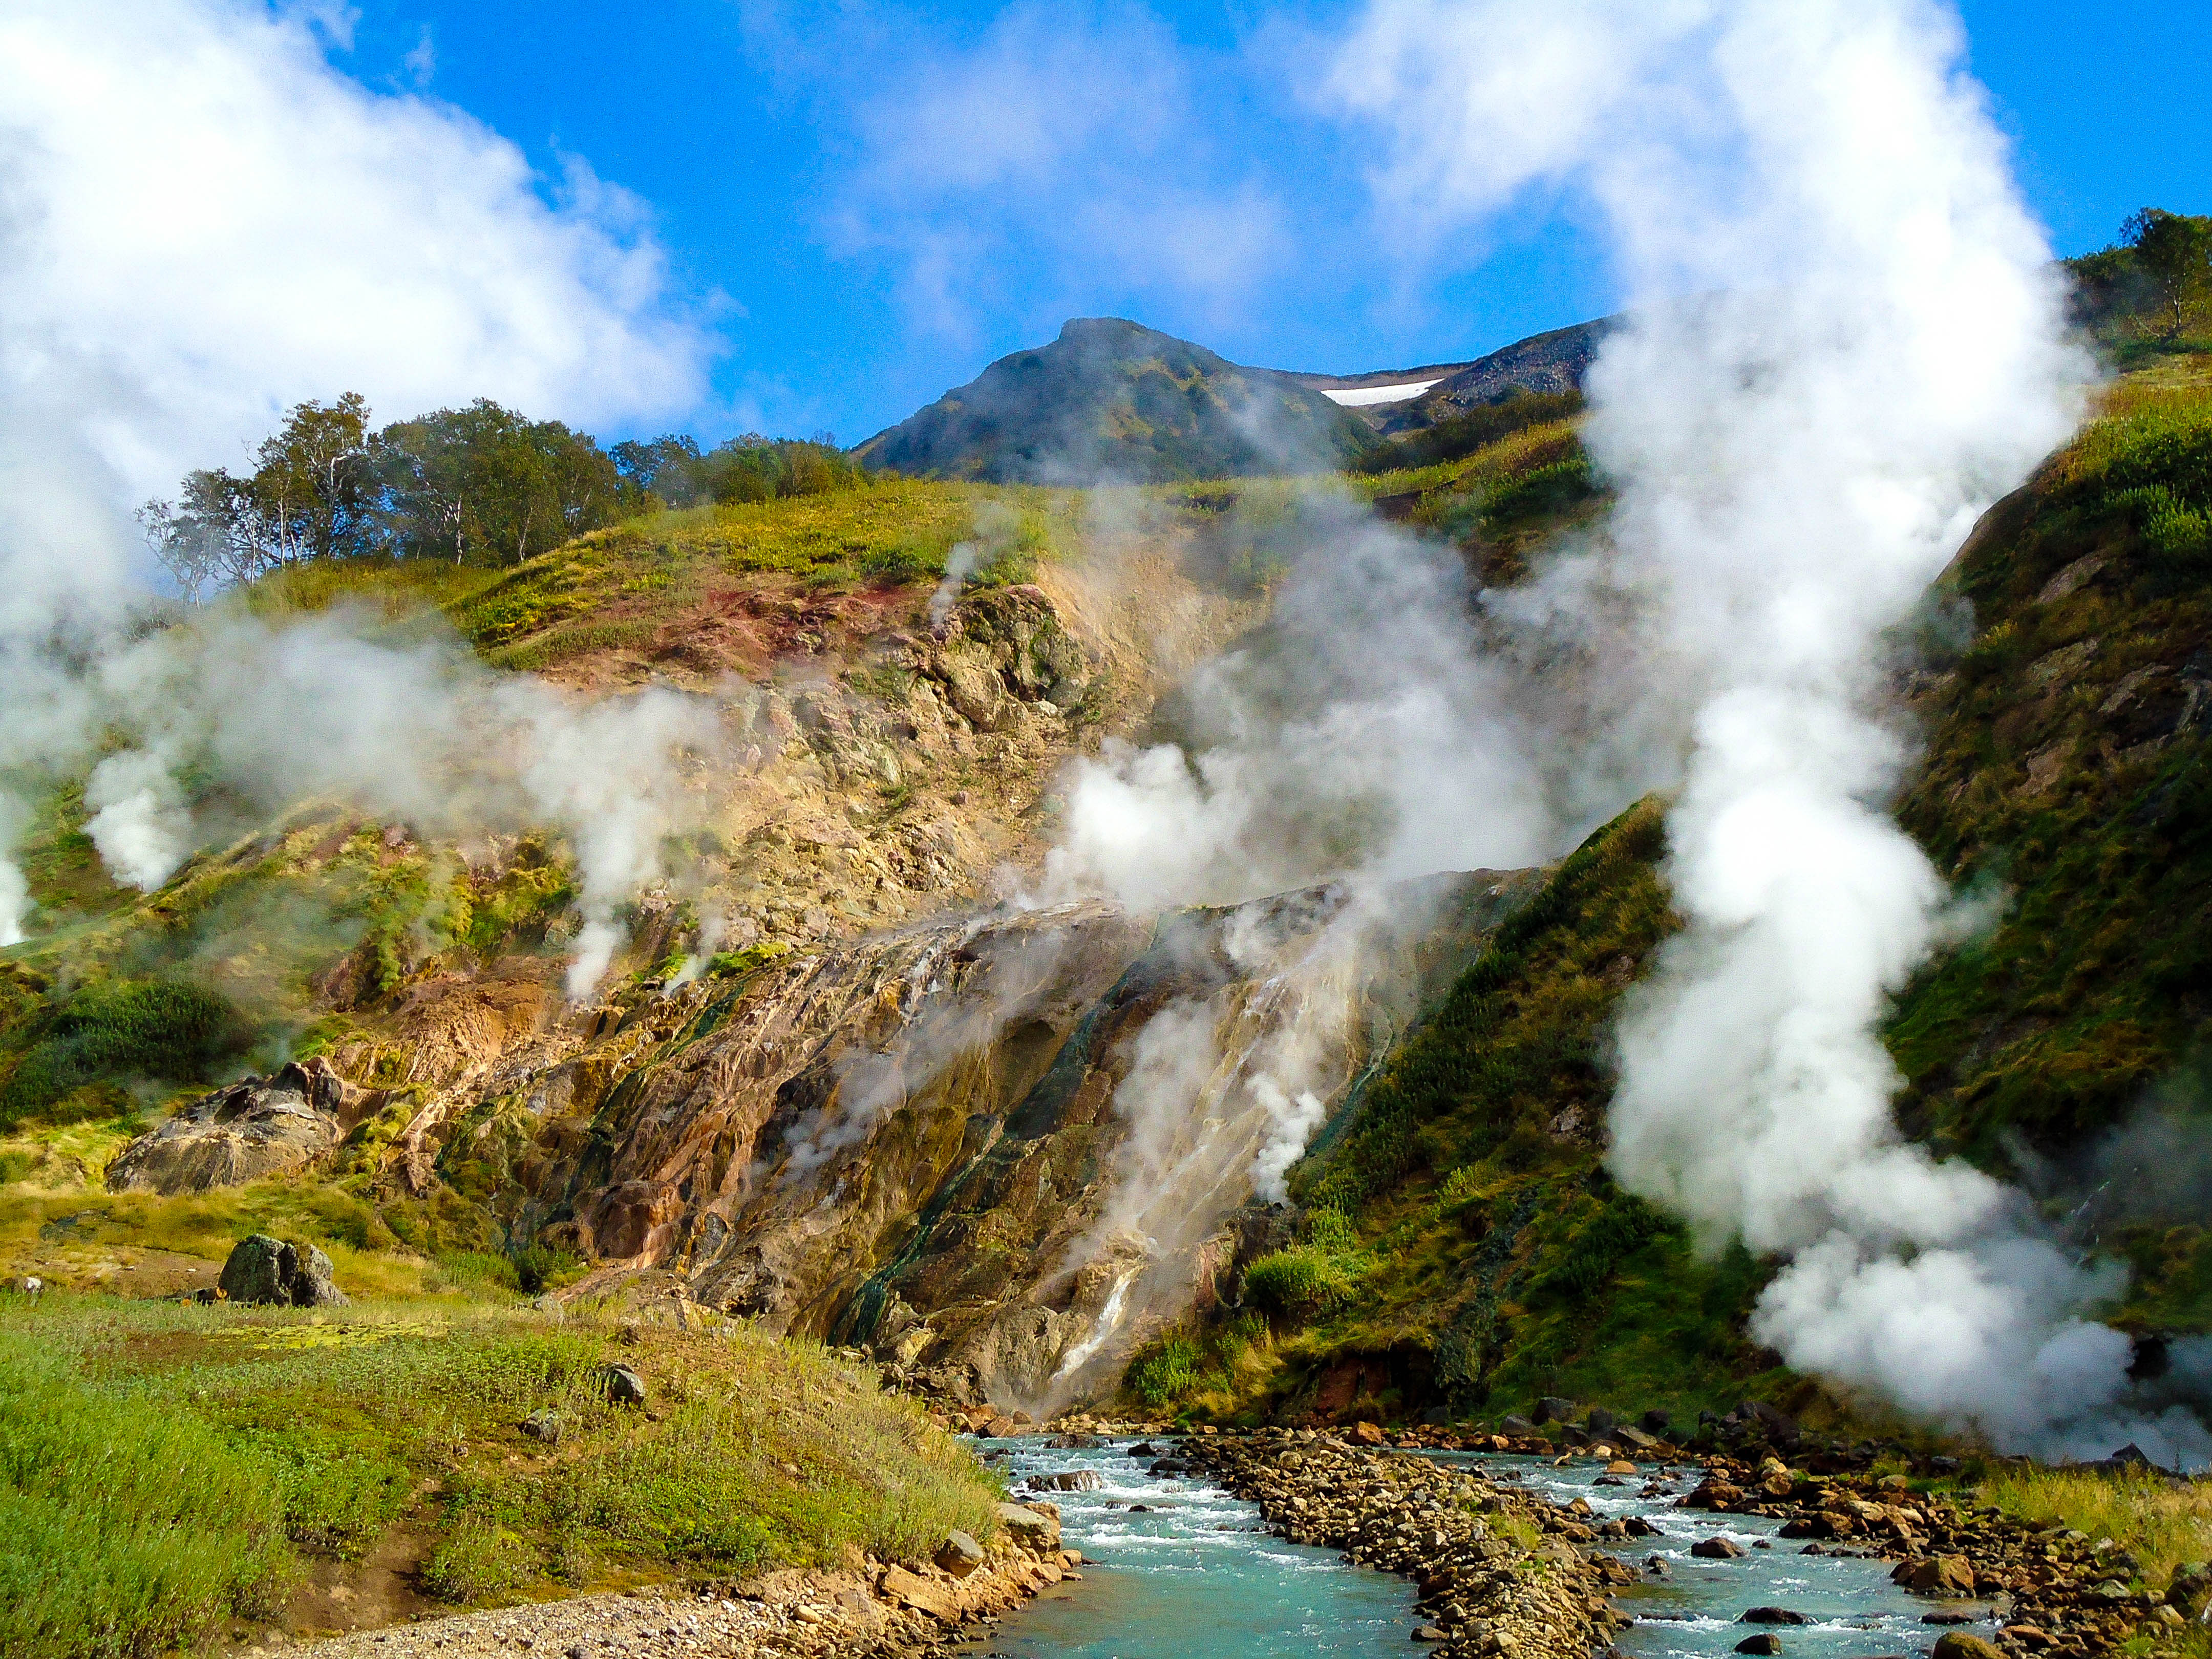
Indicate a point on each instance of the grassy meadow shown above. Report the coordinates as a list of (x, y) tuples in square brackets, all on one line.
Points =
[(168, 1470)]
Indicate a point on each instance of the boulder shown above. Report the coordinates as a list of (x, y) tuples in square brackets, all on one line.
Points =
[(1937, 1575), (1655, 1422), (1767, 1643), (1035, 1527), (2191, 1590), (1550, 1409), (1716, 1549), (622, 1385), (269, 1271), (256, 1129), (1600, 1421), (1957, 1644), (959, 1554), (1072, 1480), (911, 1589), (1771, 1616), (543, 1425), (1519, 1427)]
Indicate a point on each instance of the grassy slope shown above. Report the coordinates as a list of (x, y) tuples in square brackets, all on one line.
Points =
[(165, 1468), (2060, 774)]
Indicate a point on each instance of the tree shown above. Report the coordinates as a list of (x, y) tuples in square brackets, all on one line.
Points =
[(2174, 253), (315, 487), (487, 483), (210, 535)]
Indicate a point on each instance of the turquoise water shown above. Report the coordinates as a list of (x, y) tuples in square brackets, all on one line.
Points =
[(1199, 1578), (1693, 1610)]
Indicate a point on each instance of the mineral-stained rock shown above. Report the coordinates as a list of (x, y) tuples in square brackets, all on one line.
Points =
[(1937, 1575), (265, 1270), (911, 1589), (253, 1130)]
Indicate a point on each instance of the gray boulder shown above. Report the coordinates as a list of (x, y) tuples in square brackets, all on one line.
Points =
[(959, 1554), (268, 1271), (252, 1130), (622, 1385)]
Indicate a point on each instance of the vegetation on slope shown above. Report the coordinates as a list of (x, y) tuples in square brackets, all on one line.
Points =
[(1461, 1243), (166, 1467), (2067, 778)]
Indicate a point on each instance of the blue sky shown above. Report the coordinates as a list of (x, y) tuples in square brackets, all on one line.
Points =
[(869, 202)]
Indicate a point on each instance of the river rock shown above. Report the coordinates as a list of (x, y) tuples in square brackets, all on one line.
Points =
[(1937, 1575), (1957, 1644), (1771, 1616), (1716, 1549), (1767, 1643), (1035, 1527), (1553, 1409), (959, 1554), (259, 1128), (268, 1271), (1071, 1480)]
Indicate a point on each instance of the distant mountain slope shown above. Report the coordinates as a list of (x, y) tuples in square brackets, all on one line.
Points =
[(1111, 399), (1551, 363)]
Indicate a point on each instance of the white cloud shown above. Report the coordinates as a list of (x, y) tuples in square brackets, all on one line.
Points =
[(1062, 147), (205, 221)]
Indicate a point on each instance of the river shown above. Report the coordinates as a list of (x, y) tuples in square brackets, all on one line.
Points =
[(1195, 1574)]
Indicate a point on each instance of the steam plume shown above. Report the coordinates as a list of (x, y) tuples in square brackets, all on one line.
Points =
[(1874, 352)]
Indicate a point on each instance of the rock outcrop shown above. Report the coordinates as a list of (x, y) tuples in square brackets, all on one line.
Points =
[(256, 1129), (996, 1149), (261, 1269)]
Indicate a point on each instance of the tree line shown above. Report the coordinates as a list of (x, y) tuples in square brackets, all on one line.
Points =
[(479, 485), (2156, 279)]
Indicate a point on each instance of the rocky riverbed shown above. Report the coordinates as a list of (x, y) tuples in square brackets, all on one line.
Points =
[(883, 1610), (1499, 1570), (1506, 1571)]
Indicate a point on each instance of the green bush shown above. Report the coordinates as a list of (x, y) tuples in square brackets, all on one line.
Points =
[(1463, 434), (1546, 490), (13, 1166), (1298, 1282), (167, 1027), (480, 1560), (1165, 1371)]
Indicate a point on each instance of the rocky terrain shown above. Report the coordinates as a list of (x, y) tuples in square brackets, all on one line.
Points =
[(882, 1610), (1498, 1569)]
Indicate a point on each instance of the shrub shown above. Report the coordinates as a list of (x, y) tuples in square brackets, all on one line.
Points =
[(1296, 1284), (1463, 434), (479, 1559), (1165, 1371), (1545, 489), (168, 1028)]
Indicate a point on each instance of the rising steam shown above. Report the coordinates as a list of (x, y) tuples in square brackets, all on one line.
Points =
[(406, 253), (1847, 340)]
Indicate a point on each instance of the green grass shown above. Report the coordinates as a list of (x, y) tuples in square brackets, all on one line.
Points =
[(2162, 1524), (165, 1466)]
